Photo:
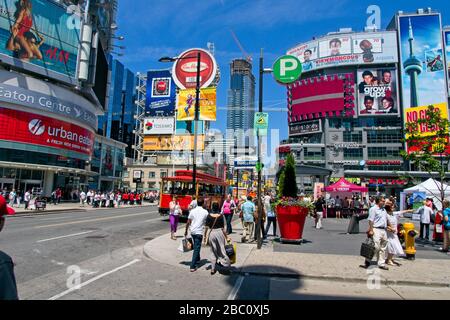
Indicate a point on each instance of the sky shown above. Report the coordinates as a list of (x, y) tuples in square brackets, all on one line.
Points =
[(153, 29)]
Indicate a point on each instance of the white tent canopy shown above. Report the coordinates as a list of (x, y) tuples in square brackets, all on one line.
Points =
[(430, 187)]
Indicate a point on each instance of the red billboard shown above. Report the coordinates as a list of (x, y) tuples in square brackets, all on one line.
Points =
[(18, 126), (184, 70)]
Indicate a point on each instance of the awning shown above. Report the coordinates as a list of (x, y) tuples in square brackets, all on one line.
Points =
[(344, 186)]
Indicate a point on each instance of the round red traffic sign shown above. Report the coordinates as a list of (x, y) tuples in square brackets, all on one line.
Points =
[(184, 70)]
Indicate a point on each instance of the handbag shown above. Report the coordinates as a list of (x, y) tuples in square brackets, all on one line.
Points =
[(230, 249), (188, 244), (207, 233), (368, 249)]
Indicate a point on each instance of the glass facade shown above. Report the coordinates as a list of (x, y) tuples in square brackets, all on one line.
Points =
[(353, 154), (384, 153)]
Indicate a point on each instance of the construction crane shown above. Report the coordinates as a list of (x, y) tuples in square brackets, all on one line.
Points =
[(246, 55)]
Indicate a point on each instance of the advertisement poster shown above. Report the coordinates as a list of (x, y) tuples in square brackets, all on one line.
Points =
[(24, 127), (447, 50), (161, 94), (157, 126), (355, 49), (186, 105), (173, 143), (40, 36), (318, 187), (187, 127), (423, 79), (377, 92)]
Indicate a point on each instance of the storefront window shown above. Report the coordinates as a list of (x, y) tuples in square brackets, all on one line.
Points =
[(119, 163), (25, 174), (95, 163), (107, 161), (20, 156)]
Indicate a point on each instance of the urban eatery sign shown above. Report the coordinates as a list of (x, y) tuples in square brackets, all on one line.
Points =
[(29, 128)]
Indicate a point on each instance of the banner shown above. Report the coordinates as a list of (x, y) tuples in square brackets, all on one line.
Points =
[(161, 94), (344, 50), (377, 92), (40, 36), (186, 105), (156, 126), (423, 74), (187, 127), (18, 126), (173, 143), (447, 52)]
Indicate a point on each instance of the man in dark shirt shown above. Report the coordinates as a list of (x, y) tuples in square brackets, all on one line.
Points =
[(8, 287)]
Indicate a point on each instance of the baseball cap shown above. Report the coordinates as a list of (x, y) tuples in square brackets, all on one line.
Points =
[(4, 208)]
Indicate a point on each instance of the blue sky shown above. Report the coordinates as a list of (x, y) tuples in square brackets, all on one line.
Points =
[(159, 28)]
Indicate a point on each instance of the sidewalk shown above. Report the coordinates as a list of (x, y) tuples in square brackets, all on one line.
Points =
[(334, 267), (71, 207)]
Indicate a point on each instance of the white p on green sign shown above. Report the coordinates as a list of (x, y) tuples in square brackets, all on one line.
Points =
[(287, 69)]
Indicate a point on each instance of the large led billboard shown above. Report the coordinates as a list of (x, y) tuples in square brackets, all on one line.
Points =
[(447, 52), (423, 70), (377, 92), (351, 49), (173, 143), (40, 36), (161, 94)]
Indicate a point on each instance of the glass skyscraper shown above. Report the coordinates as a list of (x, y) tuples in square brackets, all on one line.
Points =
[(241, 101)]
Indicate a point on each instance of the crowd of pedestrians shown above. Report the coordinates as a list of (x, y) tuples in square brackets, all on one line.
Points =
[(115, 199)]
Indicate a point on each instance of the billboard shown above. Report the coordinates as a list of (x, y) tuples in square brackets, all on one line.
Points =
[(187, 127), (344, 50), (155, 126), (423, 74), (24, 127), (447, 53), (377, 92), (173, 143), (40, 36), (186, 105), (161, 94)]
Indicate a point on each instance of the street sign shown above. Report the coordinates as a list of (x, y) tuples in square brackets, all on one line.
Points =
[(184, 70), (261, 123), (287, 69)]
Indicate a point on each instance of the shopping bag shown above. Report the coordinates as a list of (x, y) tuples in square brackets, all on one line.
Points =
[(230, 249), (368, 249), (439, 228), (187, 244)]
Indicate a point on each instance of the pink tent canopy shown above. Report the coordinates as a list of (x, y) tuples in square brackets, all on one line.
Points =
[(344, 186)]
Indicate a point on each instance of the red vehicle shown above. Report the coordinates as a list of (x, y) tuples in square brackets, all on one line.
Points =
[(210, 188)]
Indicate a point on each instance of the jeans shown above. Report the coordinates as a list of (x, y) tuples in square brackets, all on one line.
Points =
[(197, 239), (269, 222), (228, 218), (427, 230)]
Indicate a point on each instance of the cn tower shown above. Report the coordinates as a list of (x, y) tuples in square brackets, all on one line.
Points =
[(413, 67)]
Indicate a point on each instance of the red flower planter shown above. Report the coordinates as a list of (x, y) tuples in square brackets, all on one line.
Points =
[(291, 220)]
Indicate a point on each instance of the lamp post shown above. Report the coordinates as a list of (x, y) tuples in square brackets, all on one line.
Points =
[(197, 110)]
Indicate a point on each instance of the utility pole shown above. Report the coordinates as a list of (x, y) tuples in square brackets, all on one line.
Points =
[(196, 119), (260, 109)]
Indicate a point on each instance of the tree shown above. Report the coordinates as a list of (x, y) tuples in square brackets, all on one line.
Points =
[(289, 186), (427, 140)]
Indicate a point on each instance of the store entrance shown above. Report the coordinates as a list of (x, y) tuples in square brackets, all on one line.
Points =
[(28, 185), (7, 184)]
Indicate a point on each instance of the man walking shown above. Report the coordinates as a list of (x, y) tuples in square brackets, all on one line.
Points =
[(248, 212), (425, 219), (196, 223), (378, 224), (319, 206), (82, 198), (27, 199)]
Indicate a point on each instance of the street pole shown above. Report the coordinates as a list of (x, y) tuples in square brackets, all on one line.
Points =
[(259, 226), (196, 119)]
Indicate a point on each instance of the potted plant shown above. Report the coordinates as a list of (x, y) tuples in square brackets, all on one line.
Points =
[(291, 210)]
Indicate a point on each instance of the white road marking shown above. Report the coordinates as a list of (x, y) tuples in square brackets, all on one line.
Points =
[(236, 288), (91, 220), (68, 236), (62, 294)]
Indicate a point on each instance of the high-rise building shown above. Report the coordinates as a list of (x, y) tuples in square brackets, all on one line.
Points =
[(241, 100)]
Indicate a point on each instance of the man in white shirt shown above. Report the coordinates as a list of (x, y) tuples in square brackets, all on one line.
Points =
[(89, 197), (425, 218), (82, 198), (27, 199), (193, 203), (196, 223), (378, 223)]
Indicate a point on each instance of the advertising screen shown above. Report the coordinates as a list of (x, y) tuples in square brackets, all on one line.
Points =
[(155, 126), (18, 126), (355, 49), (171, 143), (40, 36), (377, 92), (447, 52), (161, 94), (187, 127), (186, 105), (423, 74)]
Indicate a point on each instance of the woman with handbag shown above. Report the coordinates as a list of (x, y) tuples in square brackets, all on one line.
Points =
[(216, 237), (174, 214), (227, 210)]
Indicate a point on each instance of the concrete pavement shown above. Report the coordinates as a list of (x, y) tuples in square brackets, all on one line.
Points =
[(427, 272)]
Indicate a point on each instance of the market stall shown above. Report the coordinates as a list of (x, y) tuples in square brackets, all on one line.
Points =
[(431, 188), (343, 188)]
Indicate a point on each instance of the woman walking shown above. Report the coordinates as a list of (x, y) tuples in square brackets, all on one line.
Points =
[(394, 247), (271, 216), (217, 238), (175, 209), (227, 210)]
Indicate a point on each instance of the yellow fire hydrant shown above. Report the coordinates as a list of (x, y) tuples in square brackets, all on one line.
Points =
[(409, 234)]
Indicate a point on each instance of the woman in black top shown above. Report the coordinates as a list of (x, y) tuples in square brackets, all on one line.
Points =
[(217, 238)]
